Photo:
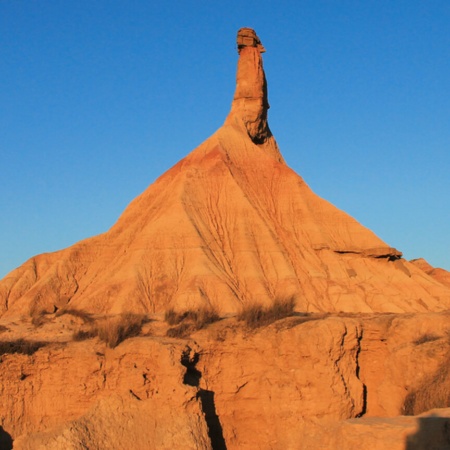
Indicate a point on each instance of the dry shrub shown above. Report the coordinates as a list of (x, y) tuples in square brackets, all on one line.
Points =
[(116, 330), (3, 329), (83, 335), (434, 392), (172, 317), (189, 321), (180, 331), (113, 330), (427, 337), (21, 346), (37, 314), (255, 315), (203, 317)]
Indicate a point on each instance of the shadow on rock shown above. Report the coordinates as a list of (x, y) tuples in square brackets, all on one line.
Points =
[(433, 434), (6, 442), (212, 419)]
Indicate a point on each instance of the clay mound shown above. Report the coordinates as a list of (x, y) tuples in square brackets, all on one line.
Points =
[(441, 275), (229, 224)]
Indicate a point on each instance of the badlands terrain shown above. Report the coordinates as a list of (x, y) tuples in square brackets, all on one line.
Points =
[(228, 308)]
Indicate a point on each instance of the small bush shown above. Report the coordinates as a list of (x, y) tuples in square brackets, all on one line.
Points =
[(3, 329), (203, 317), (37, 314), (83, 335), (113, 330), (428, 337), (172, 317), (434, 392), (21, 346), (189, 321), (180, 331), (256, 316)]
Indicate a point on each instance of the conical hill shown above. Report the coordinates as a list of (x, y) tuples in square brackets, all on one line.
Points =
[(229, 224)]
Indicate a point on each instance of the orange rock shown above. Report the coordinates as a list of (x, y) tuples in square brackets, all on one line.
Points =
[(83, 395), (286, 385), (424, 432), (229, 224), (441, 275)]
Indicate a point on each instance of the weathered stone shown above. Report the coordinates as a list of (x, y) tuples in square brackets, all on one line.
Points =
[(230, 224)]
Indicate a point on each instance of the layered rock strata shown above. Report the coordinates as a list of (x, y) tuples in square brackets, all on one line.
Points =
[(298, 383), (230, 224)]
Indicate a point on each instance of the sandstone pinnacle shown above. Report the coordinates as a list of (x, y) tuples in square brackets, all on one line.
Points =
[(250, 103), (228, 225)]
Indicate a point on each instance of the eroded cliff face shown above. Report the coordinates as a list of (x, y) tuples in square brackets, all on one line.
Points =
[(85, 395), (288, 385)]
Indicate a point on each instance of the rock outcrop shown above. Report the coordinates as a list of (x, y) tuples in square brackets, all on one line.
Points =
[(364, 359), (308, 381), (229, 224), (440, 275), (87, 396), (250, 103)]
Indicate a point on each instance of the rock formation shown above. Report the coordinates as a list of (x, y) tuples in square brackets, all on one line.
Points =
[(229, 225), (301, 383), (441, 275), (250, 103)]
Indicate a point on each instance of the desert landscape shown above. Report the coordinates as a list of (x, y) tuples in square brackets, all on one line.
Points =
[(229, 307)]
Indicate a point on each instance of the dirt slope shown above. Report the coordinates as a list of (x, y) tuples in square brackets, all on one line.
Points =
[(229, 224)]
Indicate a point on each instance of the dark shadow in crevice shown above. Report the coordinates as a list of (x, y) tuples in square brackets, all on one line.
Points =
[(358, 368), (192, 375), (192, 378), (364, 405), (215, 431), (6, 442)]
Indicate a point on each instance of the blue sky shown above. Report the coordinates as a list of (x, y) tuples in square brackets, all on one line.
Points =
[(99, 98)]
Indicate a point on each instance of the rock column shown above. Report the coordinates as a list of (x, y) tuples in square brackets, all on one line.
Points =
[(250, 99)]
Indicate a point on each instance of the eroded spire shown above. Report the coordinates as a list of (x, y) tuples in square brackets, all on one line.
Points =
[(250, 102)]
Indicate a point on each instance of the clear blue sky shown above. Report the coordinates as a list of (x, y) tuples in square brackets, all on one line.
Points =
[(100, 97)]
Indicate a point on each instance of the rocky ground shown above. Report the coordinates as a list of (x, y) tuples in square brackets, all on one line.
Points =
[(300, 382)]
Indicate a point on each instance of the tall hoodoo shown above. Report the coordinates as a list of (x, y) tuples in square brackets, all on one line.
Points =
[(229, 224), (250, 102)]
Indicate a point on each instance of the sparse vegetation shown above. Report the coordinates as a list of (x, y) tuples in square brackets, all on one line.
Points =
[(113, 330), (433, 391), (37, 314), (83, 335), (180, 331), (186, 322), (256, 316), (427, 337), (172, 317), (83, 315), (21, 346), (3, 328)]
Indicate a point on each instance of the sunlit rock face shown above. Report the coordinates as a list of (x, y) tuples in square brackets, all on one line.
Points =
[(250, 103), (228, 225)]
